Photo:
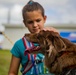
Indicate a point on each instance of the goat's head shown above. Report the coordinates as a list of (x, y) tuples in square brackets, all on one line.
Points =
[(47, 40)]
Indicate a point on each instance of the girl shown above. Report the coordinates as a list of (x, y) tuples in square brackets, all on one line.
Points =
[(33, 18)]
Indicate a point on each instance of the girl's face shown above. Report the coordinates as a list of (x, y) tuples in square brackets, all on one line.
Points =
[(34, 21)]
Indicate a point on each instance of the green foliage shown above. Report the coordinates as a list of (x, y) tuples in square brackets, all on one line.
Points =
[(5, 58)]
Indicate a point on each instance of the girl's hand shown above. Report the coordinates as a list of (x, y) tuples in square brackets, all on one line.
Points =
[(50, 29)]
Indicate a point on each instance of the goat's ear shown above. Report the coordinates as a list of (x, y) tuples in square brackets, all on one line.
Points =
[(59, 44), (49, 51)]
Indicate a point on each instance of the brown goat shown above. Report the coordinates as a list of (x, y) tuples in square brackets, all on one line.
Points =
[(60, 53)]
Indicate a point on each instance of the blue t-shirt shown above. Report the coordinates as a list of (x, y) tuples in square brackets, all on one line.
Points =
[(18, 51)]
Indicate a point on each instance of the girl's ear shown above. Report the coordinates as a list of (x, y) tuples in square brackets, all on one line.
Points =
[(45, 17)]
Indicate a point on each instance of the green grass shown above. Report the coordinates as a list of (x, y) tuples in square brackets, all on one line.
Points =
[(5, 58)]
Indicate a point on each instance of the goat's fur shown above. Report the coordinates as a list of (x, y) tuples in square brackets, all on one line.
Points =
[(59, 52)]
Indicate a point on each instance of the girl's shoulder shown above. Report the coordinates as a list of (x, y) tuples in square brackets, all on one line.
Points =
[(18, 48), (19, 44), (19, 41)]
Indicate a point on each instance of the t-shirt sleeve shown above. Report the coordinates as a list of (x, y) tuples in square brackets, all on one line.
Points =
[(15, 50)]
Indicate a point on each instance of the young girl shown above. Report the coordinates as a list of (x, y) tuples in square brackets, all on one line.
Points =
[(34, 19)]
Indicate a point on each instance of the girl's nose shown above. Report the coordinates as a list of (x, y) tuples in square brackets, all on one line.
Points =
[(34, 24)]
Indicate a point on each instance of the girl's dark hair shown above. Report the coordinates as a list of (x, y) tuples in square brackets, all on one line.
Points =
[(32, 6)]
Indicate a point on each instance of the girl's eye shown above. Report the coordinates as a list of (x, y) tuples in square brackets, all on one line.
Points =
[(38, 20), (30, 22)]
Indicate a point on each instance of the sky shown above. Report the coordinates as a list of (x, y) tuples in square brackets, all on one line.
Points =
[(57, 11)]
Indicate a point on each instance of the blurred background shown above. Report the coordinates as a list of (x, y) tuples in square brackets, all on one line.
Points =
[(61, 14)]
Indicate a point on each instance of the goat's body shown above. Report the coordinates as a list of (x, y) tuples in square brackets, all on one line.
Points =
[(65, 60), (62, 52)]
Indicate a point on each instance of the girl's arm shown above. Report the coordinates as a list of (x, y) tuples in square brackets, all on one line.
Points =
[(14, 66)]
